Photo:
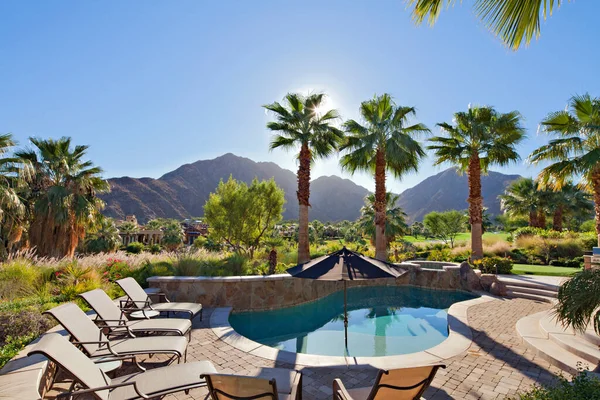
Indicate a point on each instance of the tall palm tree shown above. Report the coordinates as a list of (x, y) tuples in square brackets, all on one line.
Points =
[(575, 152), (12, 208), (63, 195), (385, 142), (522, 198), (514, 21), (302, 123), (566, 202), (480, 137), (395, 218)]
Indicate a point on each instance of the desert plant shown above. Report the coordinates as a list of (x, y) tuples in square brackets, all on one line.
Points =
[(579, 299), (480, 137), (135, 247), (302, 122), (385, 142), (18, 278)]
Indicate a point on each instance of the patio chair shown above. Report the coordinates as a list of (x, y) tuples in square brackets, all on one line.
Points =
[(138, 299), (96, 345), (89, 380), (396, 384), (269, 383), (111, 317)]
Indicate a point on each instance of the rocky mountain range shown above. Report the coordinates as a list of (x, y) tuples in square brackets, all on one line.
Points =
[(182, 193)]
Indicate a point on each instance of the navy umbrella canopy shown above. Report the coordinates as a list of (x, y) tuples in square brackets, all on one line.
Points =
[(345, 265)]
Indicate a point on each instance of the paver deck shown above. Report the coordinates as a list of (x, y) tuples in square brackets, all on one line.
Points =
[(495, 366)]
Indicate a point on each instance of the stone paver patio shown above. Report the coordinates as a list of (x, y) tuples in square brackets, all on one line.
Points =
[(496, 365)]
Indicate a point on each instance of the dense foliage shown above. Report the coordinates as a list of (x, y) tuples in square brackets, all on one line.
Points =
[(445, 225), (584, 386)]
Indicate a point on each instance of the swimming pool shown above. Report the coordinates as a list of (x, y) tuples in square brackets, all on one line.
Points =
[(382, 320)]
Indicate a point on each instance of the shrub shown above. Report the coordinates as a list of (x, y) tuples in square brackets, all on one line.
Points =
[(135, 248), (588, 241), (18, 278), (527, 231), (154, 248), (583, 386), (557, 263), (573, 263), (588, 226), (188, 266), (440, 255), (22, 323), (493, 265), (13, 346), (235, 265), (116, 269)]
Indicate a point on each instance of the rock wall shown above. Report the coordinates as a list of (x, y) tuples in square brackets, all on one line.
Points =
[(245, 293)]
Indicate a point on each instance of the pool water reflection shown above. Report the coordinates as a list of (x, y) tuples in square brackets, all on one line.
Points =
[(382, 320)]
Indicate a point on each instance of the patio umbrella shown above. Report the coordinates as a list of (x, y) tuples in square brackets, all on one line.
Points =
[(345, 265)]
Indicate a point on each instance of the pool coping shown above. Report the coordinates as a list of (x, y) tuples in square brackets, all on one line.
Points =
[(459, 340)]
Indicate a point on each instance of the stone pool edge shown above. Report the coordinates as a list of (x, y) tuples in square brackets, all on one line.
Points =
[(459, 340)]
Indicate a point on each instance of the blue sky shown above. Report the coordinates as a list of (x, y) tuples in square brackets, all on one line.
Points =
[(151, 85)]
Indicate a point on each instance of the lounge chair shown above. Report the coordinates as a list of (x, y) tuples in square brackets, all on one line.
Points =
[(90, 380), (139, 300), (269, 383), (396, 384), (97, 346), (111, 317)]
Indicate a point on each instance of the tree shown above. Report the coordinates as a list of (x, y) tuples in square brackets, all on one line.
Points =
[(579, 301), (569, 201), (514, 21), (479, 138), (574, 152), (417, 228), (63, 195), (445, 225), (395, 221), (522, 198), (12, 208), (172, 235), (104, 237), (384, 142), (271, 243), (302, 123), (242, 215)]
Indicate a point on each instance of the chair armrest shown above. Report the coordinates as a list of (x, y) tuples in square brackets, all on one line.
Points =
[(339, 390), (69, 395), (101, 342), (125, 304), (296, 393)]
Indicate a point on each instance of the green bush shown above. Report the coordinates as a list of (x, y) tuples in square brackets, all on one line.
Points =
[(135, 248), (588, 241), (18, 278), (188, 266), (440, 255), (493, 265), (155, 248), (13, 346), (22, 323), (527, 231), (583, 387), (588, 226)]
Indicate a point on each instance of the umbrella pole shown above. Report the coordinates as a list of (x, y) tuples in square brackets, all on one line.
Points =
[(345, 317)]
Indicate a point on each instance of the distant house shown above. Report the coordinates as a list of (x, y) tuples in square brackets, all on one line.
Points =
[(193, 229), (130, 231)]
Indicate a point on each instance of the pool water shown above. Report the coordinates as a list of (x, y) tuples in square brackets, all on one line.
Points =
[(382, 320)]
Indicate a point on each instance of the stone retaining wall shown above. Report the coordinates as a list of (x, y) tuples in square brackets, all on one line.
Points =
[(245, 293)]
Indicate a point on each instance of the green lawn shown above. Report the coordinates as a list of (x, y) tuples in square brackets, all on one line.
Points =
[(548, 270), (461, 237)]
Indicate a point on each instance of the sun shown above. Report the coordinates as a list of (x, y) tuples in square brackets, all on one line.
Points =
[(325, 106)]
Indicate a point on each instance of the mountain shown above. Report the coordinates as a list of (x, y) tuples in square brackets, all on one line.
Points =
[(183, 192), (449, 191)]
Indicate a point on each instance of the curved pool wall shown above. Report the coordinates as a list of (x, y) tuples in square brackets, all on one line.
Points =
[(246, 293), (383, 320)]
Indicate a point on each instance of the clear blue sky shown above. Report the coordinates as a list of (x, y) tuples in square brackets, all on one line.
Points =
[(151, 85)]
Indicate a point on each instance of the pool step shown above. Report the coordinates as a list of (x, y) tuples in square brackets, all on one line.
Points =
[(560, 346), (539, 291)]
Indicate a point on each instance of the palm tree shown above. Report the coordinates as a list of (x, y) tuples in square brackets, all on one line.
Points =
[(522, 198), (575, 152), (579, 301), (384, 143), (12, 209), (568, 201), (512, 20), (104, 237), (395, 221), (301, 123), (63, 195), (479, 138)]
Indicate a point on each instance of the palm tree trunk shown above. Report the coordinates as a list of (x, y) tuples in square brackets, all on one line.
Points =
[(533, 219), (475, 206), (541, 219), (557, 219), (303, 194), (380, 204), (596, 188)]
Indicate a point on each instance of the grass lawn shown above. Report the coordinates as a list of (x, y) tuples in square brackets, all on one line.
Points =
[(461, 237), (548, 270)]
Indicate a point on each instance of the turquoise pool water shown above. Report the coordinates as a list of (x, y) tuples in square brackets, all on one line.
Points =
[(382, 320)]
